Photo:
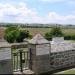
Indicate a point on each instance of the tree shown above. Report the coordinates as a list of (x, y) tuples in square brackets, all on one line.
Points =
[(48, 36), (11, 28), (10, 34), (14, 34), (55, 32), (22, 35)]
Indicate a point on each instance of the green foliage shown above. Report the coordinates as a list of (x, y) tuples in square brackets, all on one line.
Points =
[(30, 36), (22, 35), (48, 36), (14, 34), (10, 38), (10, 34), (69, 37), (11, 28), (56, 32)]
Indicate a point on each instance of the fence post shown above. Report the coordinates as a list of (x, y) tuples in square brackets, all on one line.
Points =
[(30, 61), (21, 60), (39, 49)]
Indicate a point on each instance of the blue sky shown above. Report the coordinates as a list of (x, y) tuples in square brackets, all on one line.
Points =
[(37, 11)]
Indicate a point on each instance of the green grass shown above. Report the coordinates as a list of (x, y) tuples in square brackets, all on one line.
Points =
[(71, 71)]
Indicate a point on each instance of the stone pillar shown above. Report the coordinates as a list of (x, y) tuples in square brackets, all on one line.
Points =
[(39, 54), (6, 60)]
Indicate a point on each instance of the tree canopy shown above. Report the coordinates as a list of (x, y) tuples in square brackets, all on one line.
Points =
[(14, 34), (55, 32)]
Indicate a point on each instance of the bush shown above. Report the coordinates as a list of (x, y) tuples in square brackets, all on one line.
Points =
[(55, 32), (14, 34), (69, 37), (10, 38), (73, 37), (10, 34), (22, 35), (48, 36)]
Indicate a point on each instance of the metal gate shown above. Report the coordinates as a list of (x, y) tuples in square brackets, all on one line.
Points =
[(20, 59)]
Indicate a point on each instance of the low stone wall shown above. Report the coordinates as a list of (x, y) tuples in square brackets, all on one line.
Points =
[(6, 67), (6, 64), (48, 57)]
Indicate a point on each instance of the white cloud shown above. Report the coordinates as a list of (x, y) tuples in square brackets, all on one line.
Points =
[(21, 13), (54, 17), (60, 17)]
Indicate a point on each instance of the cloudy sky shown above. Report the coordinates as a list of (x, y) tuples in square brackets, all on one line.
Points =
[(37, 11)]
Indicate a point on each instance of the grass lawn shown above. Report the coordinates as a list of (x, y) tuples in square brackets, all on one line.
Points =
[(71, 71)]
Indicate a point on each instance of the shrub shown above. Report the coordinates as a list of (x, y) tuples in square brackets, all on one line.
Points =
[(55, 32), (48, 36), (14, 34), (22, 35), (69, 37), (10, 34)]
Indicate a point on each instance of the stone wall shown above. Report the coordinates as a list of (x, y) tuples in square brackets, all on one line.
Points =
[(63, 59), (6, 63), (6, 67), (44, 60)]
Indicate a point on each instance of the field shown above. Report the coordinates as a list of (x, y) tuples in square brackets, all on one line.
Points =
[(33, 31)]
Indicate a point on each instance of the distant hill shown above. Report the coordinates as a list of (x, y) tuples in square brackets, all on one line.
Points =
[(37, 25)]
